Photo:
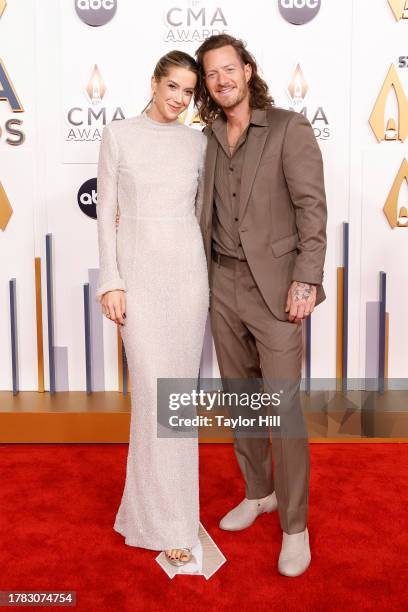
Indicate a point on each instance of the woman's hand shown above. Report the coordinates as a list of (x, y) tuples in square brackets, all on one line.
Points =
[(114, 306)]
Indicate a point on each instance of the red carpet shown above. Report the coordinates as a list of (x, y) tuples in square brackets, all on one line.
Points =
[(58, 504)]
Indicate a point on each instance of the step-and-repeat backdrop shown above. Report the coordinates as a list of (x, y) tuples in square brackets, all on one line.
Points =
[(69, 67)]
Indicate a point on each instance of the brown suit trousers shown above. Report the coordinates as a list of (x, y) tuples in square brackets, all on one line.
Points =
[(251, 343)]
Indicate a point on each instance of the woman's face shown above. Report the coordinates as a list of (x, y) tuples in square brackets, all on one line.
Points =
[(172, 94)]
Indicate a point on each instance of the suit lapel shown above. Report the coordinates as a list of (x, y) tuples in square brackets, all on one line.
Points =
[(211, 158), (256, 141)]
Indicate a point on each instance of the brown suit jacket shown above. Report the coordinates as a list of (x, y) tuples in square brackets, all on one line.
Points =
[(282, 208)]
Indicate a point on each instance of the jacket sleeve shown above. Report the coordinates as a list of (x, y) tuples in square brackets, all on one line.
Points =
[(303, 169), (106, 209), (200, 185)]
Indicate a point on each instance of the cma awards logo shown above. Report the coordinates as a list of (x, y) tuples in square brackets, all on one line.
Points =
[(389, 122), (95, 12), (86, 124), (5, 88), (194, 22), (297, 92), (8, 94), (399, 8), (5, 209), (191, 118), (397, 215), (385, 125), (87, 198), (299, 12)]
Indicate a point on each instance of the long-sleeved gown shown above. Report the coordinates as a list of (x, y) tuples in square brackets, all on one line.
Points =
[(153, 172)]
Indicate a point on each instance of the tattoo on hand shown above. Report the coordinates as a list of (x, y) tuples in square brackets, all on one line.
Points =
[(302, 292)]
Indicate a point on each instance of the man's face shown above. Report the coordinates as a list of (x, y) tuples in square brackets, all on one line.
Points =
[(226, 77)]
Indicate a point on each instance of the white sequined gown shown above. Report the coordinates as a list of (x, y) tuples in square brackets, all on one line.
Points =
[(154, 173)]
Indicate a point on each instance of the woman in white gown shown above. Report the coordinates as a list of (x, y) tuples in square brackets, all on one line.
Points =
[(153, 282)]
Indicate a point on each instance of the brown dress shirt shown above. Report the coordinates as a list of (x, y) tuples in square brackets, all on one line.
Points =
[(227, 184)]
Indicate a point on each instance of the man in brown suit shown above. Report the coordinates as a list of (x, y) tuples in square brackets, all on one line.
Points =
[(264, 228)]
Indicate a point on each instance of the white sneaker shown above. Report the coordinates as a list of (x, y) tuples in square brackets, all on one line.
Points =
[(243, 515), (295, 555)]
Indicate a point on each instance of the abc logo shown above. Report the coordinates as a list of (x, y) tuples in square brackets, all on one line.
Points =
[(87, 198), (299, 3), (95, 12), (299, 12)]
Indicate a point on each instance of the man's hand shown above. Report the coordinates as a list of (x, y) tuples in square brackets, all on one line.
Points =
[(301, 301), (114, 305)]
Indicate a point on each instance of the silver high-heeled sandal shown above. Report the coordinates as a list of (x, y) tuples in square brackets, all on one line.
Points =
[(179, 562)]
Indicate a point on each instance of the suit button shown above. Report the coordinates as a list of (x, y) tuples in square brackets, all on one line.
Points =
[(236, 218)]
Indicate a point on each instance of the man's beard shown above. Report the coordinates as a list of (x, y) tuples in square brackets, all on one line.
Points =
[(242, 92)]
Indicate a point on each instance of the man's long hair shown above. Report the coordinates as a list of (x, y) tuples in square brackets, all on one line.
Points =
[(209, 110)]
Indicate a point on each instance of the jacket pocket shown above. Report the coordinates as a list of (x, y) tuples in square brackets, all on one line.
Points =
[(285, 245)]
